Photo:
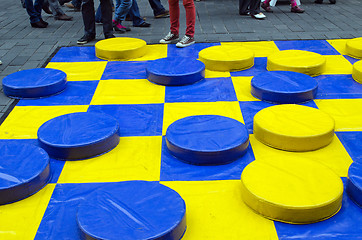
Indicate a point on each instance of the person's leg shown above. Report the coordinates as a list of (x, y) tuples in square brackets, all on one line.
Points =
[(244, 7), (106, 8), (88, 17), (266, 6), (55, 7), (295, 8), (135, 15), (174, 16), (122, 8), (190, 17), (33, 14), (157, 7)]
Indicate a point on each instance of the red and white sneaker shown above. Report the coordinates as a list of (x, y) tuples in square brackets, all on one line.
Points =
[(185, 41), (170, 38)]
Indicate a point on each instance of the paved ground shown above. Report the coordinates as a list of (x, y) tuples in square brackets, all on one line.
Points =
[(23, 47)]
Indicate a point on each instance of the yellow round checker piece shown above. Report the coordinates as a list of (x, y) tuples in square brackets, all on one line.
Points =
[(292, 191), (227, 58), (122, 48), (357, 71), (354, 47), (310, 63), (293, 127)]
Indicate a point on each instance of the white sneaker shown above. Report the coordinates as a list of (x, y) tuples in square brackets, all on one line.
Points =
[(259, 16), (170, 38), (1, 62), (185, 41)]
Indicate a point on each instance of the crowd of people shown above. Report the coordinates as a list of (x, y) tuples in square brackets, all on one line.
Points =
[(128, 9)]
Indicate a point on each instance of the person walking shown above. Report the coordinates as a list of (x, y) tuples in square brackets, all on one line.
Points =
[(252, 8), (34, 11), (88, 15), (56, 10), (173, 35)]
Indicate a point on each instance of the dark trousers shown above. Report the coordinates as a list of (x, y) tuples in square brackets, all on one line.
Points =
[(34, 9), (252, 6), (156, 6), (89, 17)]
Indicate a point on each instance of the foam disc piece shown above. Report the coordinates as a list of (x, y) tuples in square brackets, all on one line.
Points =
[(354, 182), (133, 210), (207, 139), (34, 83), (357, 71), (292, 191), (227, 58), (24, 170), (293, 127), (354, 47), (175, 71), (79, 135), (284, 87), (120, 48), (310, 63)]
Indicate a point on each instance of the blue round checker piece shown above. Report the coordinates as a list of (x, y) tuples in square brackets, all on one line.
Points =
[(207, 139), (133, 210), (79, 135), (354, 182), (175, 71), (284, 87), (24, 170), (34, 83)]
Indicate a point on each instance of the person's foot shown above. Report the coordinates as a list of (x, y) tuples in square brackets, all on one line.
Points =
[(332, 1), (258, 16), (144, 25), (63, 17), (46, 9), (109, 36), (318, 1), (85, 39), (70, 5), (170, 38), (266, 7), (297, 9), (118, 27), (44, 22), (164, 14), (185, 41), (38, 24), (244, 13)]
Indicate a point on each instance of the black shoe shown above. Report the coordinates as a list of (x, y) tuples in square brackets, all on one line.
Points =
[(332, 1), (85, 39), (144, 24), (44, 22), (318, 1), (109, 36), (38, 24)]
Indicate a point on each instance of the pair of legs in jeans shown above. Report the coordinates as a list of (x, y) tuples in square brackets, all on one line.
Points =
[(34, 11)]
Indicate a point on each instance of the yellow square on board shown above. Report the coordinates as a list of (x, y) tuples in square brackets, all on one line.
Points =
[(216, 74), (80, 71), (20, 220), (139, 91), (333, 155), (347, 113), (339, 45), (23, 122), (175, 111), (135, 158), (215, 210), (242, 86), (153, 52), (260, 49), (337, 64)]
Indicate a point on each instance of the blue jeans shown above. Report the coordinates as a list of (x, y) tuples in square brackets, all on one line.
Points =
[(34, 9), (77, 3), (133, 12), (156, 6)]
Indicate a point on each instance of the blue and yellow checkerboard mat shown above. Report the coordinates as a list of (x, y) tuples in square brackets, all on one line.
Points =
[(215, 209)]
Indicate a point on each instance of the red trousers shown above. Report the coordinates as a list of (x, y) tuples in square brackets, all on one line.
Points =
[(175, 16)]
